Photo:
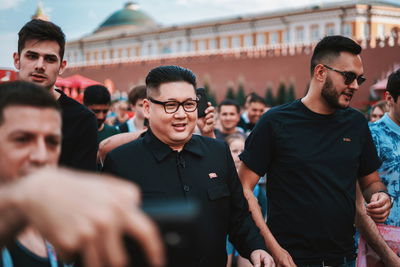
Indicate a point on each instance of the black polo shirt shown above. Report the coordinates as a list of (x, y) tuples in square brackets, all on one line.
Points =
[(203, 170), (79, 135), (312, 162)]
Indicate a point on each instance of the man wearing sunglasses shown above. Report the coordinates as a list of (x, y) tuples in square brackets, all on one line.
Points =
[(314, 151), (97, 98), (170, 162)]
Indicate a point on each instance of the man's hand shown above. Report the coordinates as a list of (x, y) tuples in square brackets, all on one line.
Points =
[(379, 207), (282, 258), (207, 123), (88, 214), (261, 258)]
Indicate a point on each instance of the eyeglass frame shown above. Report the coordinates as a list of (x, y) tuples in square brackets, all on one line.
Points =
[(360, 79), (163, 103)]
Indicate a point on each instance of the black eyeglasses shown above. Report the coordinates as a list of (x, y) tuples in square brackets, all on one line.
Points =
[(349, 76), (172, 106)]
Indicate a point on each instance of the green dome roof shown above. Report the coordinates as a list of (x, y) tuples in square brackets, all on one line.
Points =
[(129, 15)]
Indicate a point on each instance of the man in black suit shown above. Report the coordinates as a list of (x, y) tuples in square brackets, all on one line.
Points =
[(170, 162)]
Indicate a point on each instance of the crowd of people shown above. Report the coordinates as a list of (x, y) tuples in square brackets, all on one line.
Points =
[(282, 186)]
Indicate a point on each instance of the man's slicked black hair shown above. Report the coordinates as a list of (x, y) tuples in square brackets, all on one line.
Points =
[(20, 93), (393, 85), (229, 102), (166, 74), (330, 47), (96, 95), (41, 30)]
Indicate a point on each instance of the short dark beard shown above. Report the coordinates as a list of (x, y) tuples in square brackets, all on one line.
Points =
[(330, 95)]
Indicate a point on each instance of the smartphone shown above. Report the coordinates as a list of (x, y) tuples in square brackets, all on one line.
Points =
[(176, 220), (203, 102)]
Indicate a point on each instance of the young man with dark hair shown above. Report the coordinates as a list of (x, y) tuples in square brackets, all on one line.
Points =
[(229, 116), (135, 97), (97, 98), (40, 204), (40, 60), (169, 161), (386, 135), (255, 107), (314, 151)]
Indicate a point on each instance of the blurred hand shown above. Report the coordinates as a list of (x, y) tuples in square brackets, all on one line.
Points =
[(89, 214), (261, 258), (379, 207), (207, 123)]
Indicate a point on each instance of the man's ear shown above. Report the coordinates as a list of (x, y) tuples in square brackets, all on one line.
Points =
[(320, 73), (146, 108), (389, 98), (16, 60), (62, 67)]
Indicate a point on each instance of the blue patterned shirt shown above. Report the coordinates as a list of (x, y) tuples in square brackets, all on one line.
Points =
[(386, 135)]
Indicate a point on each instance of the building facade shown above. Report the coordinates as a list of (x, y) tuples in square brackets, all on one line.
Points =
[(131, 40)]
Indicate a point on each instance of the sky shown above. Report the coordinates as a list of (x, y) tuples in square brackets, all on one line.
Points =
[(81, 17)]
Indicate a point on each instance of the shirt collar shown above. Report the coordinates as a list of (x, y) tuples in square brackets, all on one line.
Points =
[(390, 123), (161, 150)]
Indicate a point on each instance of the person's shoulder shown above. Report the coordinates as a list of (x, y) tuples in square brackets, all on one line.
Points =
[(208, 141), (71, 107), (130, 148)]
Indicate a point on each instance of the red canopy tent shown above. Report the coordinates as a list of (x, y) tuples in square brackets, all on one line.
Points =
[(75, 84)]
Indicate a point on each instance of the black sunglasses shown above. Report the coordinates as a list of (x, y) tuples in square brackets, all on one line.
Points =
[(349, 76), (96, 111)]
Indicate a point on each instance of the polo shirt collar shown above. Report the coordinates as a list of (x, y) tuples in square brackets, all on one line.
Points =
[(161, 150)]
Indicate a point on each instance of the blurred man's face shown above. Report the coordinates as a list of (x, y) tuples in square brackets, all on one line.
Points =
[(101, 113), (376, 114), (172, 129), (138, 109), (254, 111), (40, 62), (229, 117), (30, 138)]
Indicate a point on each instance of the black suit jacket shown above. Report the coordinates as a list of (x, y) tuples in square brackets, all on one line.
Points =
[(203, 170)]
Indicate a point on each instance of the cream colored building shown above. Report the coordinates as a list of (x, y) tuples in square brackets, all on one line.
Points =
[(131, 35)]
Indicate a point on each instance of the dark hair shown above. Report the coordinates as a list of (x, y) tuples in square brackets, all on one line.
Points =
[(393, 85), (166, 74), (20, 93), (254, 98), (137, 92), (41, 30), (229, 102), (330, 47), (96, 95)]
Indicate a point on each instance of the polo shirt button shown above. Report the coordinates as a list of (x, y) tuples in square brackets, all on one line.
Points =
[(186, 188)]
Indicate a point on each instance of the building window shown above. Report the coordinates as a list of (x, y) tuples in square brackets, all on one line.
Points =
[(347, 30), (212, 44), (381, 31), (224, 42), (236, 42), (260, 39), (202, 45), (330, 29), (367, 32), (179, 46), (166, 49), (286, 37), (314, 33), (274, 38), (300, 34), (248, 41)]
